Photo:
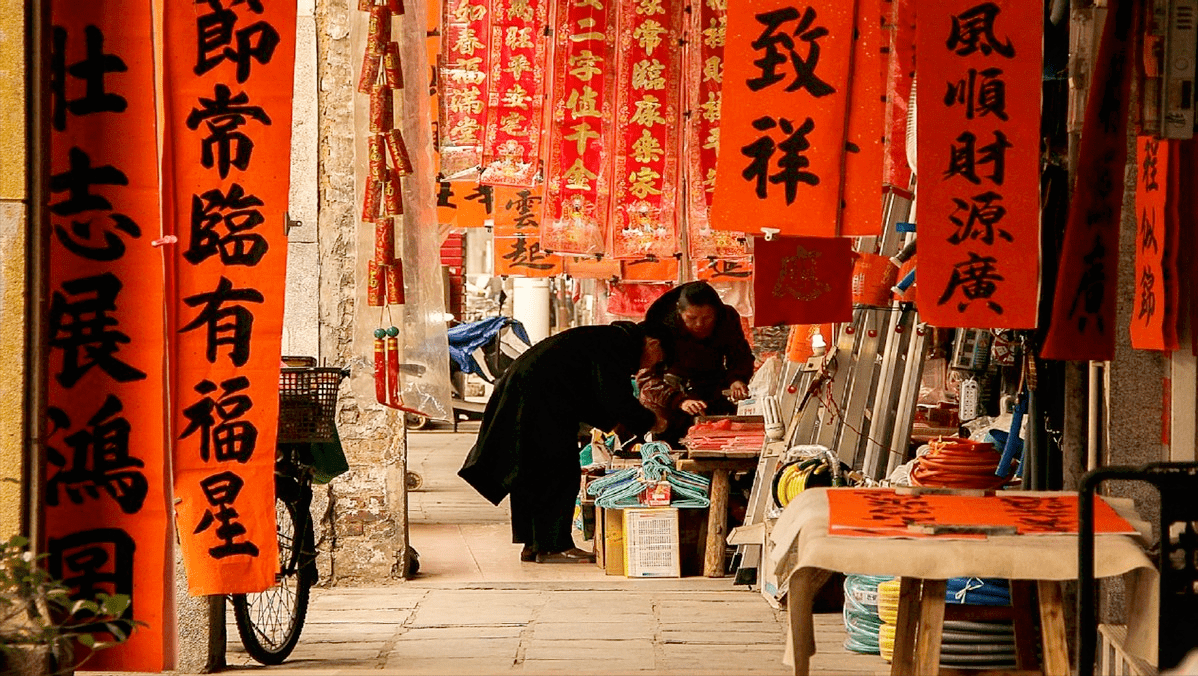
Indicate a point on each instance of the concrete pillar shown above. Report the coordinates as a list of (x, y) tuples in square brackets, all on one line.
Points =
[(530, 305)]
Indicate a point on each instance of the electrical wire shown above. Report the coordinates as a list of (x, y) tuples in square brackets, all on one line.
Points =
[(958, 463)]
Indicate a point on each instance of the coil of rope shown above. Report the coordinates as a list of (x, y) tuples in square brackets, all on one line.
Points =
[(861, 621), (795, 477), (958, 463)]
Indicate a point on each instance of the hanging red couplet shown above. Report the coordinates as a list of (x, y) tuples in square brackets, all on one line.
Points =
[(1083, 308), (703, 75), (578, 163), (802, 280), (515, 93), (787, 127), (466, 27), (979, 163), (1150, 329), (106, 527), (646, 167), (462, 204), (518, 249), (589, 267), (227, 141), (650, 270)]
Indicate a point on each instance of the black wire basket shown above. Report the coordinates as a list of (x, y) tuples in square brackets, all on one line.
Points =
[(308, 404)]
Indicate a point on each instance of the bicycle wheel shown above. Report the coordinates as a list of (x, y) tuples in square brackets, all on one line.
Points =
[(270, 622)]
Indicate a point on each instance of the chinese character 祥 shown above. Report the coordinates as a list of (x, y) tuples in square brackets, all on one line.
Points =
[(973, 31), (975, 278), (217, 41), (792, 163), (987, 97), (224, 114), (225, 325), (222, 490), (94, 561), (84, 330), (235, 212), (232, 438), (770, 40), (963, 159), (98, 460), (92, 69), (981, 220), (525, 255)]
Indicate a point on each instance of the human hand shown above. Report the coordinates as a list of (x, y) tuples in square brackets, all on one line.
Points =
[(739, 391), (693, 406)]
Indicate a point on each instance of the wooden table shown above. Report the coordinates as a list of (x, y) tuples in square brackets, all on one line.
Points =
[(717, 514)]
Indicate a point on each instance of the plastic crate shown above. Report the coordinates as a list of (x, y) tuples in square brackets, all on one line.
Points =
[(308, 404)]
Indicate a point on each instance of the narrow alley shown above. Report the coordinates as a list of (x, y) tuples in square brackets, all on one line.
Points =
[(475, 608)]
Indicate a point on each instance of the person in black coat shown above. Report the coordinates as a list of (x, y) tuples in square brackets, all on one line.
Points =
[(527, 444), (708, 354)]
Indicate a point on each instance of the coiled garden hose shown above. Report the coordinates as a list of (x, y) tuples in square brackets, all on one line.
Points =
[(861, 621)]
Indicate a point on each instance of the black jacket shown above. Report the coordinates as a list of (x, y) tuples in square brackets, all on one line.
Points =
[(710, 364)]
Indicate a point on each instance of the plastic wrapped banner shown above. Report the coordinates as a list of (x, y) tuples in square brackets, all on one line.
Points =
[(578, 164), (1153, 324), (227, 112), (515, 92), (650, 270), (979, 164), (646, 167), (465, 31), (106, 527), (633, 299)]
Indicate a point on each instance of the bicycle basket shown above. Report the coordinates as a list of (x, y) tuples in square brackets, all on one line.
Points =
[(308, 404)]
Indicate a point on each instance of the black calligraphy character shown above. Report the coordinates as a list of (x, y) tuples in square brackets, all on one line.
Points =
[(92, 69), (980, 223), (99, 458), (973, 30), (525, 255), (1091, 289), (77, 180), (975, 278), (239, 327), (484, 195), (526, 218), (74, 240), (721, 269), (233, 210), (1147, 296), (1148, 230), (95, 561), (83, 330), (221, 490), (1148, 169), (989, 97), (444, 195), (224, 114), (963, 159), (792, 163), (215, 33), (233, 439), (804, 69)]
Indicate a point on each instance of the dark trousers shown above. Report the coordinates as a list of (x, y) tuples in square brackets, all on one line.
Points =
[(543, 506)]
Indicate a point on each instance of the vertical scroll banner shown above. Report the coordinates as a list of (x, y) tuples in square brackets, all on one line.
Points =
[(802, 280), (106, 525), (646, 166), (900, 69), (515, 92), (1083, 308), (703, 74), (1151, 312), (227, 151), (979, 162), (790, 72), (517, 232), (578, 164), (465, 205), (465, 63)]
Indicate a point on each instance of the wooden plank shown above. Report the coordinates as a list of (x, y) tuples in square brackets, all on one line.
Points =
[(1052, 628), (717, 524), (613, 541), (903, 661), (931, 627), (1023, 603), (803, 584)]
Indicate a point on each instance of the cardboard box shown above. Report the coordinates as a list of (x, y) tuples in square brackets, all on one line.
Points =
[(651, 542)]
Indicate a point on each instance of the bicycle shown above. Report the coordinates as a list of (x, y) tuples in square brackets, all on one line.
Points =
[(270, 622)]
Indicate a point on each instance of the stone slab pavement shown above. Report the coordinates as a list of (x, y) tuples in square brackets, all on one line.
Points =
[(476, 609)]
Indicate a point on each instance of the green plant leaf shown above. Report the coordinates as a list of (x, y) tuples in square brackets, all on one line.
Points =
[(87, 640)]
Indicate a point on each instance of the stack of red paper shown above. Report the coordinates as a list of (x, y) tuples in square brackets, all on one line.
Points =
[(725, 435)]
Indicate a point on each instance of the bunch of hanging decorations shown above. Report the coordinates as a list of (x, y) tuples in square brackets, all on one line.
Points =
[(656, 482), (981, 645), (794, 477), (959, 463)]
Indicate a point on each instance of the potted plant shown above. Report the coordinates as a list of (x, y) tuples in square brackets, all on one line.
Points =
[(43, 630)]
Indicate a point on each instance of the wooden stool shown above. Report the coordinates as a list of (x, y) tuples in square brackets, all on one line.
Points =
[(922, 612)]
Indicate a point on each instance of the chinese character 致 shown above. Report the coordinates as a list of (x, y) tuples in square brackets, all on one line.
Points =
[(224, 114), (99, 459), (225, 325), (233, 438), (804, 69), (975, 278), (83, 329), (221, 491), (792, 164)]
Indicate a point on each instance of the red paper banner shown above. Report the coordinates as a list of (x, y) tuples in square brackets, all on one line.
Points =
[(802, 280), (864, 158), (518, 249), (645, 154), (650, 270), (900, 69), (724, 270), (1083, 308), (466, 28), (1150, 329), (784, 134), (515, 92), (432, 45), (577, 169), (703, 76), (589, 267), (465, 205), (979, 164), (106, 527), (227, 145)]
